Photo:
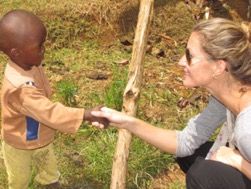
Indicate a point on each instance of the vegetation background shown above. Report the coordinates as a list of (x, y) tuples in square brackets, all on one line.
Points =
[(88, 49)]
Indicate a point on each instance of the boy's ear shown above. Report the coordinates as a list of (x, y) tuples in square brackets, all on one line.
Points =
[(14, 52)]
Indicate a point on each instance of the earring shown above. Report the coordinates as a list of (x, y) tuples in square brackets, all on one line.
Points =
[(243, 90)]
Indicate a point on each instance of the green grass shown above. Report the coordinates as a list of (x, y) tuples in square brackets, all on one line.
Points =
[(148, 161), (67, 92), (113, 96)]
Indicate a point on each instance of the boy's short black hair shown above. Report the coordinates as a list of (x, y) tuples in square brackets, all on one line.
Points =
[(15, 28)]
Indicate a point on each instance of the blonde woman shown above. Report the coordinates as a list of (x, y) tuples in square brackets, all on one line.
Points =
[(217, 58)]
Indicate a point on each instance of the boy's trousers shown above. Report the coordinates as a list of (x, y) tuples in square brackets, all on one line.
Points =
[(19, 165)]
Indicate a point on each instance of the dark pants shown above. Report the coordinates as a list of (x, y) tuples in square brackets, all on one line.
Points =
[(208, 174)]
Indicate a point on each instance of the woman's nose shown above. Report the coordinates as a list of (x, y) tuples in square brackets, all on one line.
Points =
[(182, 61)]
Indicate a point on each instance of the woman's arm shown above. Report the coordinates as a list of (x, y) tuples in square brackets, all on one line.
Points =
[(180, 143), (200, 128), (163, 139)]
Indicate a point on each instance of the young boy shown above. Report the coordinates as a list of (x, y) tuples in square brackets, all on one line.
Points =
[(29, 118)]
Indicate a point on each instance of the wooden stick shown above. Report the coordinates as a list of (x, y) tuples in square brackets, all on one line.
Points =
[(131, 93)]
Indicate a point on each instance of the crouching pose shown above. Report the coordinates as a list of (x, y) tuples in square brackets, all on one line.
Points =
[(217, 58)]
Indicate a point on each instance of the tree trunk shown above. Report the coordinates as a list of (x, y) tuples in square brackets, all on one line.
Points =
[(131, 93)]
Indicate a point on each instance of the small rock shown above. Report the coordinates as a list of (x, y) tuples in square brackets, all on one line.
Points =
[(97, 76)]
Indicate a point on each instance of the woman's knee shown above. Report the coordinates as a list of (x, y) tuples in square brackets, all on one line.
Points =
[(196, 177), (208, 174)]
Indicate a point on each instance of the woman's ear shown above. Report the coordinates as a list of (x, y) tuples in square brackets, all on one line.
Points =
[(220, 67)]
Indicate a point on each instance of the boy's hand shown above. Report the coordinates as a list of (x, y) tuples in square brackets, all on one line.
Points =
[(89, 117)]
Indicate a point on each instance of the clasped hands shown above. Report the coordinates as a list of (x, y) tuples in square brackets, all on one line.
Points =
[(101, 117), (102, 122)]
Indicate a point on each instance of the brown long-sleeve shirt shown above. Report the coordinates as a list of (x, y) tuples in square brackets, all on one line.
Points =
[(29, 118)]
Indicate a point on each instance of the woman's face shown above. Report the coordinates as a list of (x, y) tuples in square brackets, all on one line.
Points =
[(198, 68)]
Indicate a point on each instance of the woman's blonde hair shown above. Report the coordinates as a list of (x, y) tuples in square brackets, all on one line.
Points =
[(227, 40)]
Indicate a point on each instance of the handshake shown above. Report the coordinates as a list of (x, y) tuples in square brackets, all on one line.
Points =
[(92, 119)]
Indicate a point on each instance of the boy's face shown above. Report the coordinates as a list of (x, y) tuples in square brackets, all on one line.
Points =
[(32, 53)]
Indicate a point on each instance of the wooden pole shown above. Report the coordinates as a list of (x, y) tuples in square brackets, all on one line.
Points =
[(131, 93)]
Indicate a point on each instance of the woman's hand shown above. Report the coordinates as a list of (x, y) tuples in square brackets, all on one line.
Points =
[(117, 119), (228, 156)]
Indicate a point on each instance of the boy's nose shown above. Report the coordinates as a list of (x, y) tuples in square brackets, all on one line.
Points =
[(182, 61)]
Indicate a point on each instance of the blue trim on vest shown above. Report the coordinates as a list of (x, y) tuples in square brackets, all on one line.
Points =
[(32, 126)]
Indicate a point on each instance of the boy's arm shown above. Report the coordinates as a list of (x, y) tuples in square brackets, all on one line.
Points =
[(30, 101)]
